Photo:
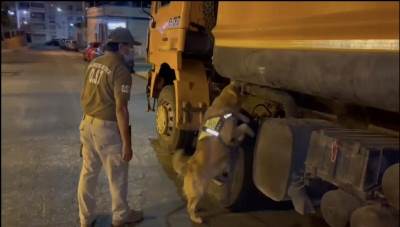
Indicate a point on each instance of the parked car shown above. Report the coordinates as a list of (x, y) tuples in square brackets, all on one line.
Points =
[(53, 42), (62, 43), (71, 45), (92, 51)]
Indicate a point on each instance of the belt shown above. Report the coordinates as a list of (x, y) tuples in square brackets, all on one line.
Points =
[(91, 119)]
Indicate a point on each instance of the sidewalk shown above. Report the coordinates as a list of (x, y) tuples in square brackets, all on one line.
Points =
[(142, 75), (142, 68)]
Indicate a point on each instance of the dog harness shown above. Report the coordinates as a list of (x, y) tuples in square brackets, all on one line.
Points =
[(213, 126)]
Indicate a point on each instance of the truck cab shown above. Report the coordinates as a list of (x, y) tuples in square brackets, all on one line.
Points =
[(180, 50)]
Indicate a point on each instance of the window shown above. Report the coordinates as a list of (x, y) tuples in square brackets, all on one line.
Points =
[(78, 8), (24, 5), (161, 4), (37, 15), (38, 27), (116, 24), (79, 19), (52, 19), (37, 5), (164, 3), (145, 4), (70, 8), (69, 18)]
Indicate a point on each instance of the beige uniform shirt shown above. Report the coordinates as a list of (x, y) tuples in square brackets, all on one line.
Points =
[(106, 79)]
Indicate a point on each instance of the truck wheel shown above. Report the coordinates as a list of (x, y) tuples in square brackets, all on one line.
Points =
[(219, 186), (243, 195), (169, 136)]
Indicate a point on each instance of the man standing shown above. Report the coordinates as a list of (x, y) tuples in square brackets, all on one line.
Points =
[(105, 130)]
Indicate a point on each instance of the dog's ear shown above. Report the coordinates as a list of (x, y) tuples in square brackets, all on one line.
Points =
[(243, 130)]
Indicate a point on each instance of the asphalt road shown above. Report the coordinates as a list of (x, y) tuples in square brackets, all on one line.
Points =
[(40, 163)]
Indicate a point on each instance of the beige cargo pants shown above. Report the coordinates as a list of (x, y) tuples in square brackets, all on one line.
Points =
[(102, 147)]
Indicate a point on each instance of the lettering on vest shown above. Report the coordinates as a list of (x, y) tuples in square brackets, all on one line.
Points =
[(96, 72), (125, 88)]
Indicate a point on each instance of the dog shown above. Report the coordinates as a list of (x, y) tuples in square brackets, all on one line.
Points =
[(211, 156)]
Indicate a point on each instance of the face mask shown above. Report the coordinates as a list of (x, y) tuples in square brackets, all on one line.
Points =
[(127, 59)]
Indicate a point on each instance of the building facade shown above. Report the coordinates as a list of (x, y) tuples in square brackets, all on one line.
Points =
[(8, 16), (103, 19), (46, 20)]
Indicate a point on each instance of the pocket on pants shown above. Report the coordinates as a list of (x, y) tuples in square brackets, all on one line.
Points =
[(107, 138)]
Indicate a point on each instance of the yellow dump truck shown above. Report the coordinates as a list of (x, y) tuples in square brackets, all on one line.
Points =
[(321, 81)]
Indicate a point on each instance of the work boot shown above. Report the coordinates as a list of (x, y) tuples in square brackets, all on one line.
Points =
[(133, 216)]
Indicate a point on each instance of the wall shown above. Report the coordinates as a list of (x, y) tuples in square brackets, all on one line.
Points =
[(14, 42), (137, 22), (139, 29), (52, 24)]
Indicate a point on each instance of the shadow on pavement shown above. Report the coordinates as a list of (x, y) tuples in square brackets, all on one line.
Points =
[(256, 216)]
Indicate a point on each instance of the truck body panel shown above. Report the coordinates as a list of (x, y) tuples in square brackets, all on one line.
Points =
[(167, 44), (310, 26), (343, 51)]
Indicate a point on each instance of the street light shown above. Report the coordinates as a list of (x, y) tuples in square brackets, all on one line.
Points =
[(71, 24), (59, 9), (11, 12), (25, 22), (24, 12)]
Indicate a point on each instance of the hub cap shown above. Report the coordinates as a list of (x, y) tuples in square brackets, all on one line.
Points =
[(165, 122), (162, 120)]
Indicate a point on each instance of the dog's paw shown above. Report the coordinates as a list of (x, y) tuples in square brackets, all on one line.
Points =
[(196, 219)]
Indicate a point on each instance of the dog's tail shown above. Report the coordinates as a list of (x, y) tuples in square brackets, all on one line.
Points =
[(179, 162)]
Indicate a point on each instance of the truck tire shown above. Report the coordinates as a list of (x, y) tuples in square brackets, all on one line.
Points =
[(169, 136), (243, 194)]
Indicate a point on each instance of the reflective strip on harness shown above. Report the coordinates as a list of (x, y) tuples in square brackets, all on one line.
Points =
[(210, 128), (228, 115), (213, 126), (212, 132)]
